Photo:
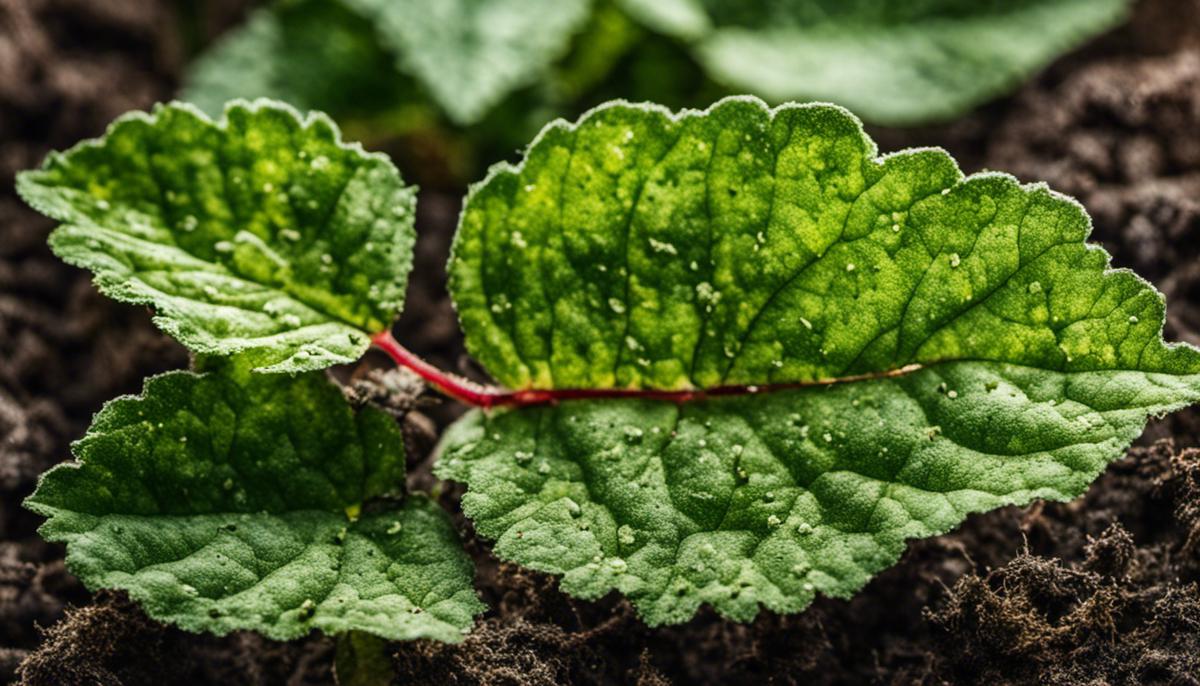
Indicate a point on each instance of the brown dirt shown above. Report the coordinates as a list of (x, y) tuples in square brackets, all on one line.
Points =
[(111, 641), (1103, 590), (1128, 612)]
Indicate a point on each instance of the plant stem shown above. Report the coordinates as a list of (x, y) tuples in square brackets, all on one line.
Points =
[(454, 386), (478, 395), (361, 659)]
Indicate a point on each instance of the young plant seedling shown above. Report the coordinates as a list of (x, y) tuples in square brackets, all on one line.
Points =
[(229, 500), (743, 358), (223, 499)]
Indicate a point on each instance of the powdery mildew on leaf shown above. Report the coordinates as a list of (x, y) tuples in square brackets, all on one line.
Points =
[(750, 246), (219, 502), (893, 62), (262, 233)]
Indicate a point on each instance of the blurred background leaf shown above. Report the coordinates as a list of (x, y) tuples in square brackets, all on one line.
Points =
[(449, 87)]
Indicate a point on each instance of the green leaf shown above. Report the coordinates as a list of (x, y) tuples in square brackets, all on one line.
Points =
[(607, 38), (220, 502), (260, 234), (893, 62), (686, 19), (309, 53), (956, 344), (469, 54)]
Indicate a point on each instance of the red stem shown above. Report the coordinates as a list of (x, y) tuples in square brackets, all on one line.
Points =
[(477, 395)]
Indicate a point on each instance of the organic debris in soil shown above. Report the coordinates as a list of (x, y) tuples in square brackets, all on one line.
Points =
[(507, 652), (109, 642), (113, 642), (1123, 615)]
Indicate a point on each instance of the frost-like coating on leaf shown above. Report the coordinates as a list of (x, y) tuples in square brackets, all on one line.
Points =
[(747, 246), (892, 61), (469, 54), (219, 502), (260, 234)]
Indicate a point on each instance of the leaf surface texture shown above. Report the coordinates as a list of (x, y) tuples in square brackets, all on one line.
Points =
[(748, 247), (220, 502), (261, 234)]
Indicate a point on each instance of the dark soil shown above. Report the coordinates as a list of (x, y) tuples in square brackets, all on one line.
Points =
[(1103, 590)]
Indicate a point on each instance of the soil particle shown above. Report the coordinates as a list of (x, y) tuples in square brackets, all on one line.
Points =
[(1039, 620), (108, 642), (112, 642), (533, 634), (505, 652), (1122, 608)]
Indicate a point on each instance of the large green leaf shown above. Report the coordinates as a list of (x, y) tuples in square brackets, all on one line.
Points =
[(892, 61), (223, 501), (260, 234), (957, 344), (469, 54)]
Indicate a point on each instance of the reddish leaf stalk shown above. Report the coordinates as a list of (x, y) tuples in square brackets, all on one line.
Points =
[(478, 395)]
